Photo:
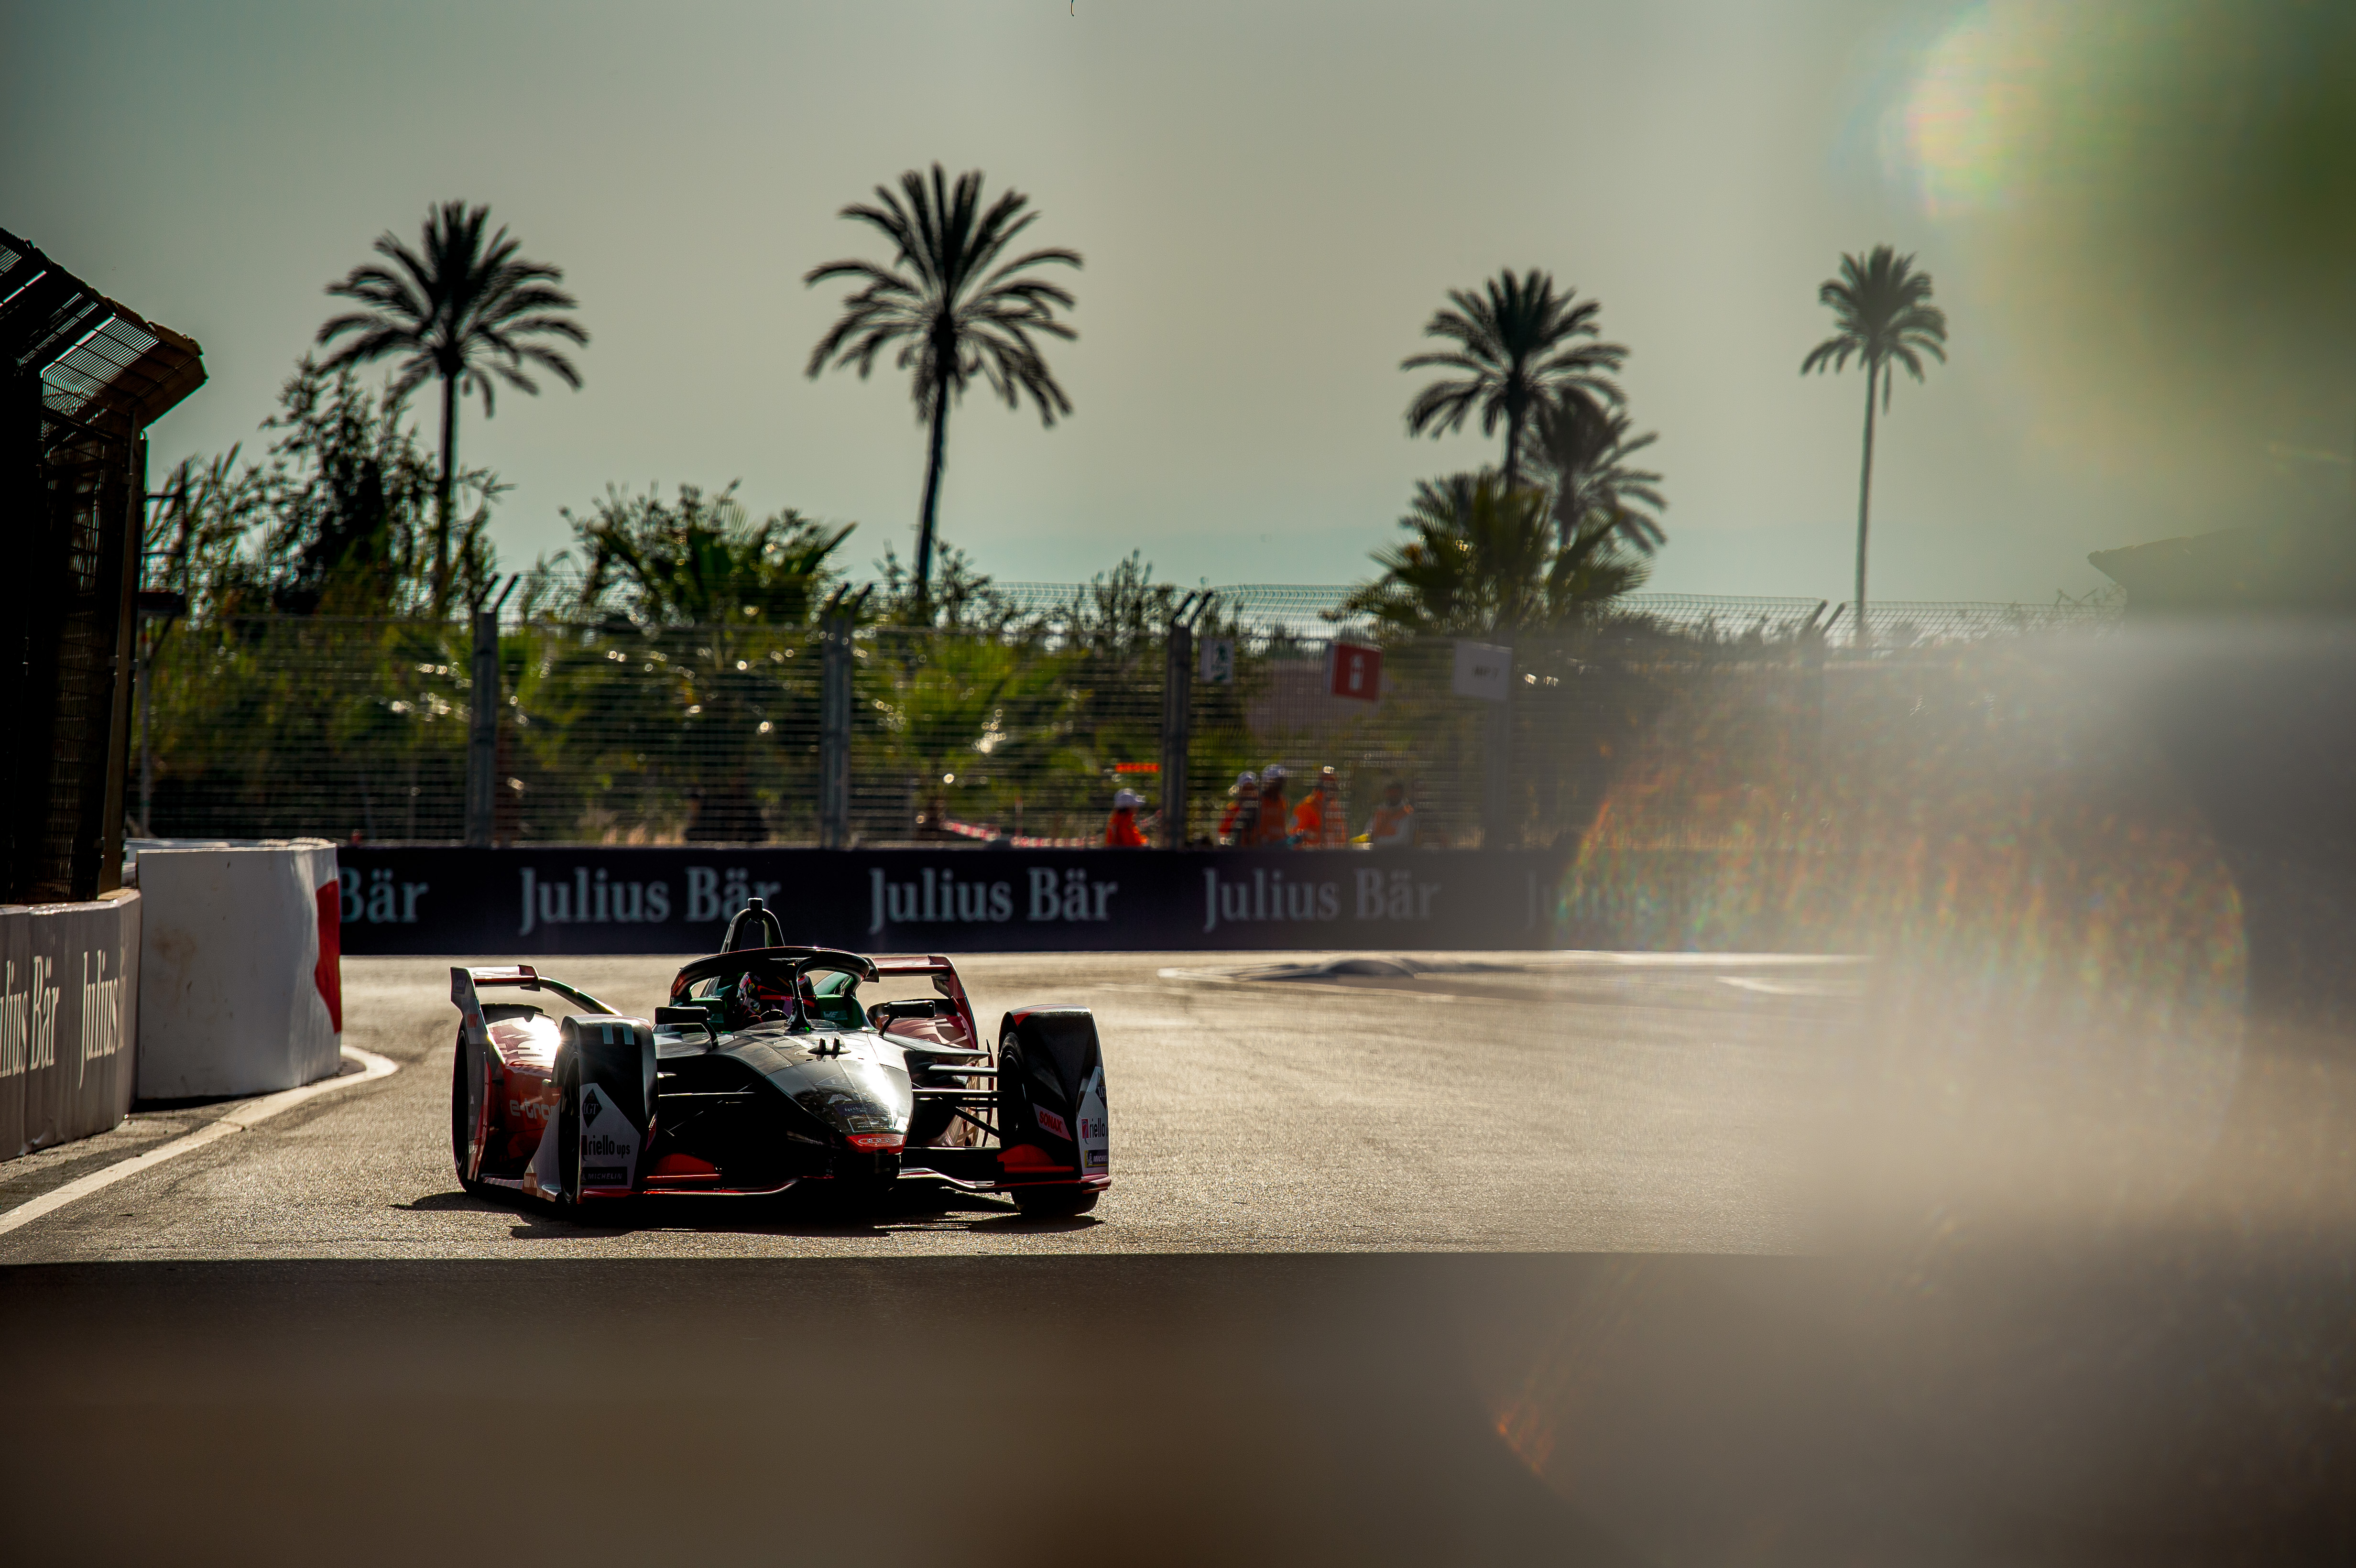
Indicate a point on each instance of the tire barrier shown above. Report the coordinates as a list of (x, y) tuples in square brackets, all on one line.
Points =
[(69, 1020), (240, 983), (586, 898)]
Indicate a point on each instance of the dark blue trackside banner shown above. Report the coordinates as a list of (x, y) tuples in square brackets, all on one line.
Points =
[(593, 900)]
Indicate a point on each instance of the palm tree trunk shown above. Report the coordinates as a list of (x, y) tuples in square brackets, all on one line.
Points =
[(933, 467), (1513, 448), (1860, 634), (444, 494)]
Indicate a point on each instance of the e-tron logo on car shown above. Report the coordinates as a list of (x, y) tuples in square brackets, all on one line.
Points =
[(591, 1106)]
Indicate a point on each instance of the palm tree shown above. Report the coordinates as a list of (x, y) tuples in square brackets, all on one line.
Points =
[(954, 310), (462, 308), (704, 561), (1483, 558), (1518, 342), (1882, 313), (1585, 448)]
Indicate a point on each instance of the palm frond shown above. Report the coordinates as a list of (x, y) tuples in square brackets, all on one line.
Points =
[(1881, 312), (950, 283), (1584, 448), (452, 302), (1442, 405), (1518, 341)]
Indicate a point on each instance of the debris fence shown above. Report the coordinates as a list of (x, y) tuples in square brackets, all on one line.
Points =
[(618, 733)]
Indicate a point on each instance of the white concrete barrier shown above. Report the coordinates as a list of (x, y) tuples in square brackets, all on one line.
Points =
[(240, 988), (69, 999)]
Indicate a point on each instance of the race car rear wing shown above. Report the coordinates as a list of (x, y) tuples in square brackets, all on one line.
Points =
[(912, 964), (466, 992), (945, 980)]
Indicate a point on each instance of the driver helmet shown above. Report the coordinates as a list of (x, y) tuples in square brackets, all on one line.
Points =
[(755, 997)]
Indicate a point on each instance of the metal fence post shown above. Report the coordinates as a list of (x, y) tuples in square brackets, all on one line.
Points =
[(1177, 718), (130, 539), (1809, 645), (1497, 766), (158, 608), (834, 737), (483, 722), (1178, 714), (483, 730)]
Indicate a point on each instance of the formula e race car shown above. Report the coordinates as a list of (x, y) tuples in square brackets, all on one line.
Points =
[(767, 1070)]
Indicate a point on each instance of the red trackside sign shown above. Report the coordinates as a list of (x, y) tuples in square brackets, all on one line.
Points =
[(1354, 672)]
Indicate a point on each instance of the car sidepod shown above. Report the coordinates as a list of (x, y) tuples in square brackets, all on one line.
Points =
[(1052, 1119)]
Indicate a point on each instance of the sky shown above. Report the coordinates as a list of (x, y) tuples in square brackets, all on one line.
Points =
[(1271, 200)]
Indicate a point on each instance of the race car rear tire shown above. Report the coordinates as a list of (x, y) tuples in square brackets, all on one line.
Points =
[(1050, 1202), (462, 1132)]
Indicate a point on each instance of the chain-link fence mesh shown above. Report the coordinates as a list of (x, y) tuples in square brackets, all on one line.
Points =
[(1023, 725)]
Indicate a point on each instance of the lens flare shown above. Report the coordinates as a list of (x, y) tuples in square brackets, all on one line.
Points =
[(2154, 201), (2048, 1059), (1963, 130), (2054, 1024)]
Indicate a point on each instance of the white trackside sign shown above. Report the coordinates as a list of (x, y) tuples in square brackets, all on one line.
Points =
[(1483, 671)]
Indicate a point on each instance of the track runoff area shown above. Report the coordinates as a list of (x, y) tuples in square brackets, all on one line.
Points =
[(1407, 1259)]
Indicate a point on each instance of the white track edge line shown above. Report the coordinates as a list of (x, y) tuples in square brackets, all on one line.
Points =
[(372, 1066)]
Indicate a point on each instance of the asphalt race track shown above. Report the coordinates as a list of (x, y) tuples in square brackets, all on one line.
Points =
[(1566, 1259), (1452, 1112)]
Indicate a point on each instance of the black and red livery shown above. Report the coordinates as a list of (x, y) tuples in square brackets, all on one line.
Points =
[(766, 1071)]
